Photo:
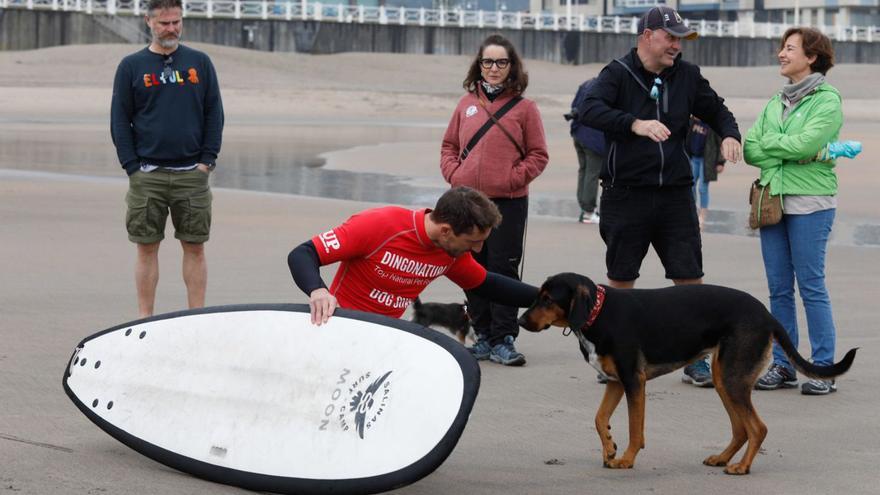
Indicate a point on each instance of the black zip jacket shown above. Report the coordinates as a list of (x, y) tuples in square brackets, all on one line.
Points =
[(621, 94)]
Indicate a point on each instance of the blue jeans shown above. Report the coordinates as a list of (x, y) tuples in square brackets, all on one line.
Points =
[(794, 249), (700, 181)]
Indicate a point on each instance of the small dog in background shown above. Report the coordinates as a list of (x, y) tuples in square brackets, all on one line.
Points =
[(452, 316)]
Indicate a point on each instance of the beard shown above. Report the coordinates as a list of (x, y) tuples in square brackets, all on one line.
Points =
[(168, 42)]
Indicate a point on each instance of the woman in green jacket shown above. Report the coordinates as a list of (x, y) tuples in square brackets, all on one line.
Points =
[(787, 143)]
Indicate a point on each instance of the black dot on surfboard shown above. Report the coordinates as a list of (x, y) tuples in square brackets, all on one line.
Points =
[(76, 361), (143, 334), (83, 362), (110, 405), (128, 332), (97, 364), (95, 403)]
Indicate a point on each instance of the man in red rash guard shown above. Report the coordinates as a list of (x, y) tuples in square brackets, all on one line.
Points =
[(389, 255)]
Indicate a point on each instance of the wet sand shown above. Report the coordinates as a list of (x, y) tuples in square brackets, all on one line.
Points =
[(67, 270), (376, 113)]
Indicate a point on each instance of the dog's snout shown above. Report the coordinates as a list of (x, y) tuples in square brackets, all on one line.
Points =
[(527, 323)]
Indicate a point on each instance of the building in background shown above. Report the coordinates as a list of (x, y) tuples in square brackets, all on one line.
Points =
[(811, 12)]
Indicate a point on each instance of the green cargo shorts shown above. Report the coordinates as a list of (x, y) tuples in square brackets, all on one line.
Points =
[(152, 195)]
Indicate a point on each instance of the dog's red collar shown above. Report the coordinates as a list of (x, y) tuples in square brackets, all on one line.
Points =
[(597, 306)]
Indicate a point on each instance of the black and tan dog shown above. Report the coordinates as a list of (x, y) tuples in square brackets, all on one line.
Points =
[(452, 316), (640, 334)]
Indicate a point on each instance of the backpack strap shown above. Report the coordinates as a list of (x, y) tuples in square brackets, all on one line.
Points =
[(633, 74)]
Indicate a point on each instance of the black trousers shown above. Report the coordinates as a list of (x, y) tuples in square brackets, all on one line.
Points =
[(501, 254)]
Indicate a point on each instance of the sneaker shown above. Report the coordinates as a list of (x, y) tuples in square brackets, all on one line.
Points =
[(481, 349), (698, 374), (506, 354), (591, 217), (778, 376), (819, 387)]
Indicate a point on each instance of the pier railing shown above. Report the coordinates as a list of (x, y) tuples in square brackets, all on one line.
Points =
[(343, 13)]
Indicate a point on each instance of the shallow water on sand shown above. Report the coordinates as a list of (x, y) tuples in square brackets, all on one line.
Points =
[(260, 158)]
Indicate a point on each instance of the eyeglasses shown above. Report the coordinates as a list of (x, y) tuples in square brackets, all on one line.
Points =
[(168, 71), (655, 89), (502, 63)]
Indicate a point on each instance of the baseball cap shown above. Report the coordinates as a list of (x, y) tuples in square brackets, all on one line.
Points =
[(667, 19)]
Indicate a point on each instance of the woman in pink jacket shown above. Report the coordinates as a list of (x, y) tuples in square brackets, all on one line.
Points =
[(495, 143)]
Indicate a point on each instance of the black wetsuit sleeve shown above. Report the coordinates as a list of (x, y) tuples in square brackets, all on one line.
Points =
[(507, 291), (305, 267)]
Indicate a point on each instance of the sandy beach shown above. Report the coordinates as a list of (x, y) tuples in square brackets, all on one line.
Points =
[(67, 268)]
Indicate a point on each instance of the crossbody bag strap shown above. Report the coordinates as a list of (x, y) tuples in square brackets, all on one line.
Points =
[(493, 119), (522, 154)]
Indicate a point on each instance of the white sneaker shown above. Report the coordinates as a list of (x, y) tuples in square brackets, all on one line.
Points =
[(591, 218)]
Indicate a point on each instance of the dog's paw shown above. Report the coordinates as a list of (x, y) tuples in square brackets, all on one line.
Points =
[(609, 455), (619, 463), (714, 460), (737, 469)]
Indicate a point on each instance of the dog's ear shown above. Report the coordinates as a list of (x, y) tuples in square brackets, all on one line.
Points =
[(581, 304)]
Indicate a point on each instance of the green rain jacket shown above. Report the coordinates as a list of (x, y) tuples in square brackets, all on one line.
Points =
[(785, 150)]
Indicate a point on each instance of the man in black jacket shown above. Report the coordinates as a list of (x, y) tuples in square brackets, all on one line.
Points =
[(643, 101)]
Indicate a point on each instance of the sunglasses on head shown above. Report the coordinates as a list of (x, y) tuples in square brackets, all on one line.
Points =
[(655, 89), (487, 63)]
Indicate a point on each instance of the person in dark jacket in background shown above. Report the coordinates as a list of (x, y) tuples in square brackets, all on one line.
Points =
[(703, 145), (589, 144), (643, 102)]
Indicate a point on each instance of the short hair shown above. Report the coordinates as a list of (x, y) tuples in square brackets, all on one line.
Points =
[(814, 43), (517, 79), (154, 5), (464, 209)]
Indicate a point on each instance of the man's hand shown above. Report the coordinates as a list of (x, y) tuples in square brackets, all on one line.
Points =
[(653, 129), (719, 167), (204, 168), (321, 305), (731, 149)]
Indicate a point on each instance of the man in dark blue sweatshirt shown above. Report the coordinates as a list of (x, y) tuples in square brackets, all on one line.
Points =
[(166, 120)]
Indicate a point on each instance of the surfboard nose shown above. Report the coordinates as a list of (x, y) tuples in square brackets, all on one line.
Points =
[(74, 360)]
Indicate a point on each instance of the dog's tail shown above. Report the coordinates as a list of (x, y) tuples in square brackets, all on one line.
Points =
[(808, 368)]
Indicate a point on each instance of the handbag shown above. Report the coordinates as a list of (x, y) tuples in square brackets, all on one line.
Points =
[(765, 209)]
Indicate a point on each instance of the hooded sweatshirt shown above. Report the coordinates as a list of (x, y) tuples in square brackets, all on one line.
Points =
[(495, 165)]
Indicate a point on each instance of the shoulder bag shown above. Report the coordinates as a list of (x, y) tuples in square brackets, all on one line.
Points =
[(765, 209)]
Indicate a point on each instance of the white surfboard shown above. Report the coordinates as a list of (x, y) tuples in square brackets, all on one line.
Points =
[(256, 396)]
